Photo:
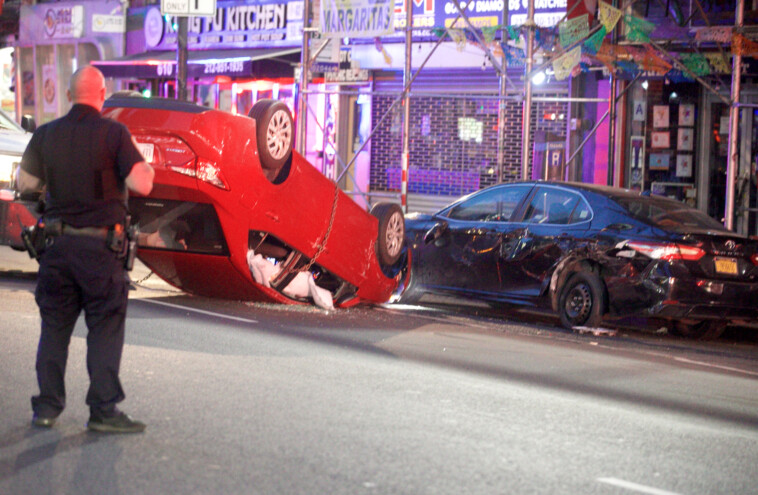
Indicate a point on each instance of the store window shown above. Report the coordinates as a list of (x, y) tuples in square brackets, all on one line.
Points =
[(662, 139), (46, 82)]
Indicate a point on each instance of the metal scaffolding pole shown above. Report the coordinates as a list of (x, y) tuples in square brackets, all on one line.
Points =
[(406, 106), (305, 64), (181, 58), (612, 114), (526, 120), (734, 118), (501, 113)]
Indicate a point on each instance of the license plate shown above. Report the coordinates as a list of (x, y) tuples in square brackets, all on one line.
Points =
[(726, 265), (147, 150)]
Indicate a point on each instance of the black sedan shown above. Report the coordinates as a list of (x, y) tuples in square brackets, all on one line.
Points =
[(587, 252)]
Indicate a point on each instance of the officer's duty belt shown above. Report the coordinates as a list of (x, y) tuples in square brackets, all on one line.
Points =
[(99, 232)]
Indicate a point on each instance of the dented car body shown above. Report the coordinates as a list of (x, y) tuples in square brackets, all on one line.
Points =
[(227, 186), (586, 252)]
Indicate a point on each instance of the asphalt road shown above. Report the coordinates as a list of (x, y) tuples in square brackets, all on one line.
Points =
[(253, 398)]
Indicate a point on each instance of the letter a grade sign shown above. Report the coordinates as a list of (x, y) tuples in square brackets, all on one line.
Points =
[(188, 7)]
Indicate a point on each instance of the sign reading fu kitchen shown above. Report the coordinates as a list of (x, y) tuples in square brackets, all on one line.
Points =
[(234, 25)]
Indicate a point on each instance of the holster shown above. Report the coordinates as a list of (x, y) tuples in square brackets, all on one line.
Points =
[(34, 239)]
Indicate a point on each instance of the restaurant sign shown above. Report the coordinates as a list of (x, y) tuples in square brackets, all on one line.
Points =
[(234, 25)]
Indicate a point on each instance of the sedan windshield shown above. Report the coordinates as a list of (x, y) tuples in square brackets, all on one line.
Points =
[(668, 214)]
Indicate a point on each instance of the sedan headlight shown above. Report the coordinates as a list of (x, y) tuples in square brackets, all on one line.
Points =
[(8, 164)]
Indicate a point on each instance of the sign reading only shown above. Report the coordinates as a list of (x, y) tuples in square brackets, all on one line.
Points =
[(188, 7)]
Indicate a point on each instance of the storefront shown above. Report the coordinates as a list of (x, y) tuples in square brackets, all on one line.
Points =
[(54, 40), (677, 146)]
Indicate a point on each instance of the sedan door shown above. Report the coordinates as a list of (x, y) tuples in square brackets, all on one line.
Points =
[(463, 248), (554, 224)]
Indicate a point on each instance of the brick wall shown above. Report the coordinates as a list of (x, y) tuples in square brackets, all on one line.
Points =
[(453, 145)]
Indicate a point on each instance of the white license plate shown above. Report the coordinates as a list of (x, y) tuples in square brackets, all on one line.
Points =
[(726, 265), (147, 150)]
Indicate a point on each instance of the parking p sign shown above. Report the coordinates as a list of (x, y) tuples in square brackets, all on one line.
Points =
[(188, 7)]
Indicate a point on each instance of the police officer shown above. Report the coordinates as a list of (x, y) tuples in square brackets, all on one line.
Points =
[(86, 163)]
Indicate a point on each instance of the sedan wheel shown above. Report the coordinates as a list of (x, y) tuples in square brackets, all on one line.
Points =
[(274, 132), (582, 301), (391, 232)]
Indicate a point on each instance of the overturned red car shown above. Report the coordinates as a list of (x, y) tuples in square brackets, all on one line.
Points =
[(236, 213)]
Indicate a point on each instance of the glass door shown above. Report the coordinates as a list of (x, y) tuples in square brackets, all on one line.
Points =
[(714, 147)]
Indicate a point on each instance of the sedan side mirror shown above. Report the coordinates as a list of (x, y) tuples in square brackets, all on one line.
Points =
[(435, 232)]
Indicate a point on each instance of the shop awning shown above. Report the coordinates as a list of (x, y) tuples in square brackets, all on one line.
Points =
[(241, 62)]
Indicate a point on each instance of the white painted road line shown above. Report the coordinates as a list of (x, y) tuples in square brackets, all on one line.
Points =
[(635, 486), (201, 311)]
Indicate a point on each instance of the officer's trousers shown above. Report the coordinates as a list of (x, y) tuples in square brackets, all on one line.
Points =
[(80, 273)]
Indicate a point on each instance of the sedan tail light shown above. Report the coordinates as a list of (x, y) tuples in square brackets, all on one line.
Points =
[(667, 251), (174, 154), (754, 259)]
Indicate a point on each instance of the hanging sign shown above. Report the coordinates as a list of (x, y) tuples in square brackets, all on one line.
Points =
[(188, 7), (356, 18)]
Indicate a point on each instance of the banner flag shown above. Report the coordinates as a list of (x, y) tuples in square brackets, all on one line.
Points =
[(592, 45), (564, 64), (743, 46), (357, 18), (489, 32), (459, 37), (608, 16), (719, 63), (638, 29), (696, 63), (652, 61), (573, 30), (722, 34)]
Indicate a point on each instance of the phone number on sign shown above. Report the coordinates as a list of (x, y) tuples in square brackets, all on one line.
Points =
[(219, 67)]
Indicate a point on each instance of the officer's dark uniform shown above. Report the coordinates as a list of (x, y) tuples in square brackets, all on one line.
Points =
[(84, 160)]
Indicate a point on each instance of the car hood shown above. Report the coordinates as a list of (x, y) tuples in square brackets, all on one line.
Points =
[(13, 143)]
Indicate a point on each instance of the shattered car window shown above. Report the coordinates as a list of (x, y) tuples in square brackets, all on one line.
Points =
[(494, 205), (668, 214)]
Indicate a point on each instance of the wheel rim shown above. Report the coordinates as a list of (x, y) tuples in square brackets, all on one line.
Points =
[(578, 303), (279, 135), (395, 234)]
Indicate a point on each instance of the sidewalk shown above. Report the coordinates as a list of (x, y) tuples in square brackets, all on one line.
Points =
[(18, 263)]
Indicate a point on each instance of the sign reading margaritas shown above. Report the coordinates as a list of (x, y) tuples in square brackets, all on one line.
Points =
[(356, 18)]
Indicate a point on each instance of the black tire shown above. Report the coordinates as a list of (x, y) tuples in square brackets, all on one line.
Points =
[(391, 237), (582, 301), (702, 330), (274, 132)]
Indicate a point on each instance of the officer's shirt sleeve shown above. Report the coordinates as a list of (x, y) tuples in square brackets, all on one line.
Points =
[(31, 160), (127, 154)]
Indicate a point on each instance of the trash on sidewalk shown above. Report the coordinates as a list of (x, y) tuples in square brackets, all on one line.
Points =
[(302, 286)]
